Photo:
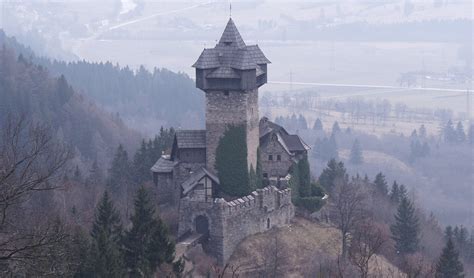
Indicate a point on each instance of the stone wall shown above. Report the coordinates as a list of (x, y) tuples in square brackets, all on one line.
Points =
[(275, 167), (231, 221), (224, 108)]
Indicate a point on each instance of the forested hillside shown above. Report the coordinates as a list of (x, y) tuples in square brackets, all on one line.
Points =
[(146, 100), (28, 90)]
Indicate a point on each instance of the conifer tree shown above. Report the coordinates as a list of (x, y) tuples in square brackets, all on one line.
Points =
[(302, 124), (119, 174), (356, 153), (142, 162), (422, 131), (402, 192), (381, 184), (318, 125), (106, 258), (304, 177), (147, 244), (406, 228), (231, 162), (460, 134), (332, 152), (449, 132), (96, 177), (470, 135), (395, 193), (449, 265), (334, 171)]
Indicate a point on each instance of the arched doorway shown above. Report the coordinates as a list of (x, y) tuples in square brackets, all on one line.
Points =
[(202, 226)]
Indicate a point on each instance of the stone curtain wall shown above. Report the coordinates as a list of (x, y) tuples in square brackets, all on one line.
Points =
[(230, 222), (235, 108)]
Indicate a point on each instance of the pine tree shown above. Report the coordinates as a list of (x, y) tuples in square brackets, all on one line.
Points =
[(406, 228), (318, 125), (460, 134), (422, 131), (106, 258), (96, 177), (304, 177), (402, 192), (119, 174), (381, 184), (449, 132), (231, 162), (470, 135), (142, 162), (147, 244), (356, 153), (331, 148), (449, 265), (302, 124), (395, 193), (331, 174)]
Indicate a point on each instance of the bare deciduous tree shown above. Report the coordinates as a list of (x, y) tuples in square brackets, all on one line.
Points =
[(367, 240), (30, 161), (347, 209)]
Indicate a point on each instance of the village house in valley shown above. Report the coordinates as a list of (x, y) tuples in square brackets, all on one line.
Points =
[(230, 75)]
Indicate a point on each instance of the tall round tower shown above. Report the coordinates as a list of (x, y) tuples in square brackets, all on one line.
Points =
[(230, 75)]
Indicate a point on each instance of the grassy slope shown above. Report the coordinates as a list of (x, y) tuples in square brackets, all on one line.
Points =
[(304, 245)]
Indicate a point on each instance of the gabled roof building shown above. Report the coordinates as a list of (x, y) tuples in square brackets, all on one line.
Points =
[(230, 75)]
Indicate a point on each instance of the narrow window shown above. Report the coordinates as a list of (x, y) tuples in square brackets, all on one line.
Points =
[(270, 157), (226, 93), (279, 157), (268, 223)]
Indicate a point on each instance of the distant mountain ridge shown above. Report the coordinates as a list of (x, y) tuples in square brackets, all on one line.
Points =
[(27, 89), (145, 100)]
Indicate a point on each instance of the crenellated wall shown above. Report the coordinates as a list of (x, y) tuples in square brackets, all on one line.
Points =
[(231, 221)]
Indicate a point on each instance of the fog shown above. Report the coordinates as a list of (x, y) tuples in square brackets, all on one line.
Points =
[(413, 53)]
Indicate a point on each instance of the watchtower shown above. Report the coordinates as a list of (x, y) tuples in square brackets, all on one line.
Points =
[(230, 75)]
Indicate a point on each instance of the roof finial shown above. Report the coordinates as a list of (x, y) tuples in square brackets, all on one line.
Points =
[(230, 9)]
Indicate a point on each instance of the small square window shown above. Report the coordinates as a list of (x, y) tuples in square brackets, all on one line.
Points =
[(265, 175), (226, 93), (279, 157), (270, 157)]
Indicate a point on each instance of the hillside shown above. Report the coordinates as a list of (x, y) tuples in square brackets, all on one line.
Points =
[(299, 250), (29, 90), (145, 100)]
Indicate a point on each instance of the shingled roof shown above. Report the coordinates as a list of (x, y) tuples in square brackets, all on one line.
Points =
[(191, 139), (290, 142), (163, 165), (195, 177), (231, 53)]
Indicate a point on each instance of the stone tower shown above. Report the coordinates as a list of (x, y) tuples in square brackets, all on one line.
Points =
[(230, 75)]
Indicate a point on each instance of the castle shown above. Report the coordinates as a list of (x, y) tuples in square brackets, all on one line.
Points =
[(230, 75)]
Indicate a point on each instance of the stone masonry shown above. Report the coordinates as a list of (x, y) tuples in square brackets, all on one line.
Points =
[(231, 221)]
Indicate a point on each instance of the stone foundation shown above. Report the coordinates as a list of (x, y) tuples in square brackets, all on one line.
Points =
[(232, 221)]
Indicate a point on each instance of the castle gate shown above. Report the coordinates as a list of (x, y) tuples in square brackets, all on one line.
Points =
[(202, 226)]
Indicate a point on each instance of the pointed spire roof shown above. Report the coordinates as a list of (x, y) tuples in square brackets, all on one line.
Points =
[(231, 36), (231, 54)]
